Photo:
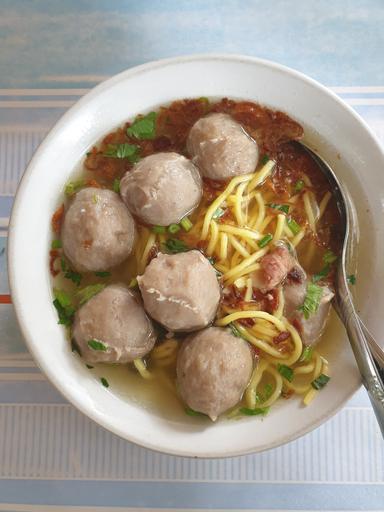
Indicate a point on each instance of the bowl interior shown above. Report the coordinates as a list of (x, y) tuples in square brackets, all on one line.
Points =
[(330, 127)]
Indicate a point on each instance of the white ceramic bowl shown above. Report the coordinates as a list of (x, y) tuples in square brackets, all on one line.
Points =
[(330, 126)]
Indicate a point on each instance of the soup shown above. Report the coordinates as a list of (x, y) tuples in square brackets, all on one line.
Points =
[(196, 249)]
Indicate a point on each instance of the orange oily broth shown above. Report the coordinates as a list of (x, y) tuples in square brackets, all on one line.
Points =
[(159, 393)]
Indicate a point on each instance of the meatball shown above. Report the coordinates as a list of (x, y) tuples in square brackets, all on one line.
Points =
[(162, 188), (213, 370), (221, 148), (180, 291), (114, 319), (98, 231)]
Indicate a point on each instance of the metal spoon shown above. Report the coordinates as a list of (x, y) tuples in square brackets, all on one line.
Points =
[(343, 303)]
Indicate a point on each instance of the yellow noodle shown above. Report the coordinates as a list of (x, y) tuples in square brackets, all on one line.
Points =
[(245, 263), (309, 211), (251, 314), (242, 232), (142, 369), (240, 283), (310, 395), (235, 258), (298, 238), (265, 223), (302, 370), (279, 227), (221, 267), (238, 247), (280, 309), (219, 200), (214, 237), (261, 175), (223, 252), (260, 344), (324, 203), (307, 180), (287, 232), (250, 392), (244, 272), (249, 291), (261, 212)]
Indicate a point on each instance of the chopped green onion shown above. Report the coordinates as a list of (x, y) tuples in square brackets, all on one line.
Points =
[(264, 159), (205, 100), (299, 185), (64, 308), (218, 213), (285, 371), (104, 382), (116, 185), (329, 257), (144, 127), (351, 279), (191, 412), (89, 291), (95, 199), (97, 345), (102, 274), (158, 229), (260, 411), (173, 246), (321, 381), (133, 283), (56, 244), (173, 228), (312, 300), (282, 207), (73, 186), (235, 331), (306, 355), (293, 226), (75, 277), (186, 224), (89, 367), (125, 150), (320, 275), (265, 240)]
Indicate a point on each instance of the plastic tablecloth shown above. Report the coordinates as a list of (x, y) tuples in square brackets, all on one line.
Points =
[(52, 458)]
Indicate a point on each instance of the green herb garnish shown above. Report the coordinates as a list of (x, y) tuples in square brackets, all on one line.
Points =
[(259, 411), (173, 228), (116, 186), (306, 355), (218, 213), (97, 345), (64, 308), (329, 257), (282, 207), (104, 382), (144, 127), (73, 186), (174, 245), (320, 275), (293, 226), (285, 371), (321, 381), (75, 277), (351, 279), (191, 412), (125, 150), (102, 274), (299, 185), (265, 240), (312, 300), (133, 283), (186, 224), (158, 229), (56, 244), (264, 159), (89, 291)]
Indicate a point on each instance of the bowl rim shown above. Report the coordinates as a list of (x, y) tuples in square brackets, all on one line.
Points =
[(23, 184)]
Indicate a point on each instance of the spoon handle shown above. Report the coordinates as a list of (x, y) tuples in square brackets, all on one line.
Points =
[(365, 361)]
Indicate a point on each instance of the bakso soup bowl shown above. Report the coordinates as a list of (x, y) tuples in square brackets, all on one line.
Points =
[(331, 128)]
